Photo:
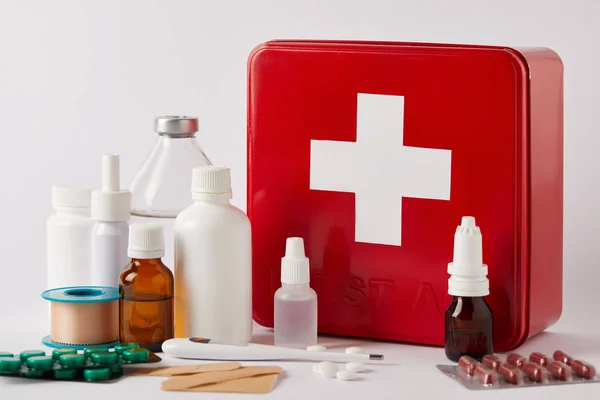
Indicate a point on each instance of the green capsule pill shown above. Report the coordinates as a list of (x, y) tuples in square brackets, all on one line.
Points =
[(88, 351), (8, 355), (106, 357), (136, 355), (11, 364), (40, 363), (72, 360), (96, 374), (60, 352), (31, 353), (116, 369), (65, 373), (34, 374), (120, 349)]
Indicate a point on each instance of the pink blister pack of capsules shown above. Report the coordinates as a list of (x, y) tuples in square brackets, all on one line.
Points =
[(515, 370)]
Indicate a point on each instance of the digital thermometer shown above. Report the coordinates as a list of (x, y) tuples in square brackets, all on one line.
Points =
[(207, 349)]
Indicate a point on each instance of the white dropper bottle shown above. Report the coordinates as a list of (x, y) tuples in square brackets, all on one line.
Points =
[(295, 303), (111, 210)]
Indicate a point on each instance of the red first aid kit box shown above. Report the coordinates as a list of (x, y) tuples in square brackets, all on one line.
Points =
[(372, 152)]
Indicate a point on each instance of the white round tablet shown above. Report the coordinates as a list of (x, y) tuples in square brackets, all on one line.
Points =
[(317, 368), (316, 348), (345, 375), (354, 350), (328, 369), (355, 366)]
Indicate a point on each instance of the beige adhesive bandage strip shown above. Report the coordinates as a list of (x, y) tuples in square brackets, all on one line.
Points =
[(183, 369), (255, 384), (182, 383)]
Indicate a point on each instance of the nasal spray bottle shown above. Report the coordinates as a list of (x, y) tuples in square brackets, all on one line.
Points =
[(110, 212), (295, 304), (468, 317)]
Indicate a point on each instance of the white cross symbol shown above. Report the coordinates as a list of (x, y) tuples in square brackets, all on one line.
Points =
[(379, 169)]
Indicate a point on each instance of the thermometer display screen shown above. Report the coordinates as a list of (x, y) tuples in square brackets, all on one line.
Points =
[(199, 340)]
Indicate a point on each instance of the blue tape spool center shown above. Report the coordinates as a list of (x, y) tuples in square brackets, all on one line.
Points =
[(87, 292), (82, 294)]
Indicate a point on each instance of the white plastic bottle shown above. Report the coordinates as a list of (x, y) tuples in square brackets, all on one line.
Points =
[(295, 304), (111, 210), (68, 238), (213, 263)]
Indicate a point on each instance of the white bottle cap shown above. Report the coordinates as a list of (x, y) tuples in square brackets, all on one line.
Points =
[(146, 241), (211, 180), (71, 196), (110, 203), (468, 273), (295, 267)]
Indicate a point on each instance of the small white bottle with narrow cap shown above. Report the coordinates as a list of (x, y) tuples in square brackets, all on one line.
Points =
[(213, 263), (295, 303), (111, 210)]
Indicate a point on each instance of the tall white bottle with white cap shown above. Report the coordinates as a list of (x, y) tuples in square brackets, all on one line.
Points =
[(111, 210), (213, 263), (295, 304)]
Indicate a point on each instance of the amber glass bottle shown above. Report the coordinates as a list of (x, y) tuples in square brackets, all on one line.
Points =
[(146, 287), (468, 328), (468, 317)]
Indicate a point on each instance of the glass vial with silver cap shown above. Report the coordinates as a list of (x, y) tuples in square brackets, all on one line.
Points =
[(161, 187)]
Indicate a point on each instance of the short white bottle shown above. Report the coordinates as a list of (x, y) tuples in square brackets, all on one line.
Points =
[(213, 263), (295, 304), (111, 210), (68, 232)]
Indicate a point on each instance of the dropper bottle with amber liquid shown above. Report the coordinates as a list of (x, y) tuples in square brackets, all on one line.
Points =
[(468, 317), (146, 287)]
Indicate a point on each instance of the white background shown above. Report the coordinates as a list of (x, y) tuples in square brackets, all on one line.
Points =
[(79, 78)]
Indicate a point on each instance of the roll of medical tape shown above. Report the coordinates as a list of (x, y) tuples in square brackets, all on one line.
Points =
[(83, 316)]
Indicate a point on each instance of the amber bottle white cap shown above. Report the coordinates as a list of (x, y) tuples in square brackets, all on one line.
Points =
[(468, 273), (146, 241)]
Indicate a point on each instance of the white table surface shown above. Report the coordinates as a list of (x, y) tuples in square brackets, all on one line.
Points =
[(409, 372)]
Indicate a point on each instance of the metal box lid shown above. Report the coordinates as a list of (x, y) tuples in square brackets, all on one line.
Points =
[(372, 152)]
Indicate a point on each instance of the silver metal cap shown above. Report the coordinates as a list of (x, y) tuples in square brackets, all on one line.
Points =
[(176, 125)]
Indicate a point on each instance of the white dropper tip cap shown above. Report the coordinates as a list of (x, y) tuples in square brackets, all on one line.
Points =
[(467, 222), (110, 173), (295, 267), (294, 247), (111, 204), (468, 273)]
